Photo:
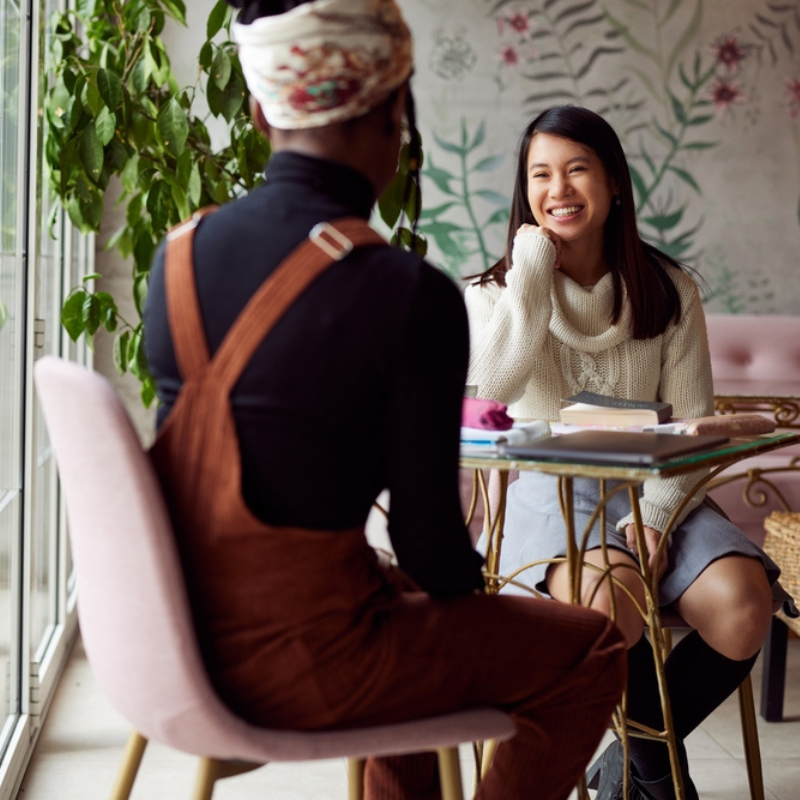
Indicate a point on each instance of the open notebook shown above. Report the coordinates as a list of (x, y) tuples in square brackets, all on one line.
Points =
[(613, 447)]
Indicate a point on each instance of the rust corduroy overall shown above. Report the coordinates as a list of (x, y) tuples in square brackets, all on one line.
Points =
[(304, 629)]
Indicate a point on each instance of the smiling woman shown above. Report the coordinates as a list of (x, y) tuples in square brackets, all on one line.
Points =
[(580, 302)]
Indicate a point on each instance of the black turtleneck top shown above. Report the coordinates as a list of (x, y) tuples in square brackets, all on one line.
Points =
[(357, 388)]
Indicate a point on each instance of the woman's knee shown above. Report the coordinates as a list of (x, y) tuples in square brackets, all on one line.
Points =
[(731, 606)]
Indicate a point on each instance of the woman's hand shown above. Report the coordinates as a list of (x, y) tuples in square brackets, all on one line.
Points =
[(651, 537), (548, 234)]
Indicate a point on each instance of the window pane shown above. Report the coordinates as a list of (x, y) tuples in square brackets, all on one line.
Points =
[(11, 355)]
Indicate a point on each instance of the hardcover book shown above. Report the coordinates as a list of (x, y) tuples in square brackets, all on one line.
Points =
[(589, 408)]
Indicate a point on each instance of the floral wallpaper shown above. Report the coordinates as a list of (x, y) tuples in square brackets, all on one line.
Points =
[(705, 95)]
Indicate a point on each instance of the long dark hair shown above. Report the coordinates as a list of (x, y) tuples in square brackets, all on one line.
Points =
[(653, 298)]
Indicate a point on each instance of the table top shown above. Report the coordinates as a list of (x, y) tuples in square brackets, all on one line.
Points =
[(735, 450)]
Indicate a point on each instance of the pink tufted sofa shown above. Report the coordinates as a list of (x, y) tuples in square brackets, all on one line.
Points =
[(757, 356)]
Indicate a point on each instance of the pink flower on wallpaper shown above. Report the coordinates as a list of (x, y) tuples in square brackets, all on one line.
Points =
[(793, 85), (509, 55), (519, 22), (729, 52), (725, 93)]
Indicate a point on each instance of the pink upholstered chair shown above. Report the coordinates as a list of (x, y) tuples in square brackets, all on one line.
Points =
[(136, 623)]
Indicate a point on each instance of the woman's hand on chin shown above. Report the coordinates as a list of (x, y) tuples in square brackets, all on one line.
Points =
[(540, 230)]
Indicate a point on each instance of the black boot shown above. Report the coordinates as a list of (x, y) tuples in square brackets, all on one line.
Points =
[(664, 788)]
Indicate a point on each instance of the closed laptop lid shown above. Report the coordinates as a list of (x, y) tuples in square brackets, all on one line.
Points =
[(614, 447)]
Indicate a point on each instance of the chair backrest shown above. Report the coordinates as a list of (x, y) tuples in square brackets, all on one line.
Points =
[(134, 614)]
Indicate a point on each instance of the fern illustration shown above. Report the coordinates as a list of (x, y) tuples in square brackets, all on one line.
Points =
[(460, 244), (571, 37), (777, 29)]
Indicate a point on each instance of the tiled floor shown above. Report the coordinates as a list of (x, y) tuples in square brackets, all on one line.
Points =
[(80, 747), (78, 753)]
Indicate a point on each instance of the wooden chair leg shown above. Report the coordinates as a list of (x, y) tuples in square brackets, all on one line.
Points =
[(752, 750), (131, 759), (450, 774), (489, 749), (355, 778), (212, 770)]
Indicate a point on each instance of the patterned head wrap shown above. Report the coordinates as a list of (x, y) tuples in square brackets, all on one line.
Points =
[(325, 61)]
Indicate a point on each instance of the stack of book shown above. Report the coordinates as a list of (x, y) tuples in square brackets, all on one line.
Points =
[(600, 411)]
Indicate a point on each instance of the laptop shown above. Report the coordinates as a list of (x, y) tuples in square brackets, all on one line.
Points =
[(597, 446)]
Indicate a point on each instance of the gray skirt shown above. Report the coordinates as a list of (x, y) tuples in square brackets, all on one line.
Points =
[(534, 530)]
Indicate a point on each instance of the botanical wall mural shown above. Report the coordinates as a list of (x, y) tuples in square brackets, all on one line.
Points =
[(705, 95)]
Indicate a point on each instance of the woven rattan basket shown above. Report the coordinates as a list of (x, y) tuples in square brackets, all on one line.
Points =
[(782, 544)]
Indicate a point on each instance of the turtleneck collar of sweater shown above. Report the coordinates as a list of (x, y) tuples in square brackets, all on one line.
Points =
[(580, 316), (341, 184)]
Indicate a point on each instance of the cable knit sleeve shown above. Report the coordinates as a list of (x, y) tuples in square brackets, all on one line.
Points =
[(508, 326), (686, 383)]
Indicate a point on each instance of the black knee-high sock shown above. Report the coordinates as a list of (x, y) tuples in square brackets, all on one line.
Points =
[(650, 758), (699, 679)]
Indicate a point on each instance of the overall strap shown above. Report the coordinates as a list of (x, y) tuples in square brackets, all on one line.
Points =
[(327, 243), (183, 306)]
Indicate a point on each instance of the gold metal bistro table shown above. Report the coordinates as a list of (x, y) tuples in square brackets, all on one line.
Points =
[(626, 478), (781, 401)]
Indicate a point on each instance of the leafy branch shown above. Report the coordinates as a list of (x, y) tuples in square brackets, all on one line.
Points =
[(457, 243), (686, 115)]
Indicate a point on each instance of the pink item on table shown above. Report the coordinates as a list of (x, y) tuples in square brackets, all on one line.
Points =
[(486, 414)]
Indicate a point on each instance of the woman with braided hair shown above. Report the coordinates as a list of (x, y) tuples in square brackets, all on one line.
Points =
[(291, 398)]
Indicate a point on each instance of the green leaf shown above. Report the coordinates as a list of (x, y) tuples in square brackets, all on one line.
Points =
[(104, 126), (446, 146), (181, 202), (173, 127), (663, 222), (677, 109), (490, 163), (110, 88), (700, 145), (431, 213), (91, 314), (159, 202), (91, 99), (108, 311), (624, 31), (206, 56), (638, 181), (687, 38), (228, 101), (493, 197), (221, 68), (441, 178), (390, 203), (140, 291), (686, 177), (91, 153), (176, 9), (85, 8), (480, 135), (72, 314), (121, 343), (217, 19), (195, 186)]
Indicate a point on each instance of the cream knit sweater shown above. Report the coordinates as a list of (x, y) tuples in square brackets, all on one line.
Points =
[(543, 338)]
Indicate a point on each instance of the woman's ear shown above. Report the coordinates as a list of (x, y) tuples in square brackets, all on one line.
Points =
[(259, 120)]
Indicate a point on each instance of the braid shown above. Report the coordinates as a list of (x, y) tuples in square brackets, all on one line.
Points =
[(250, 10)]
